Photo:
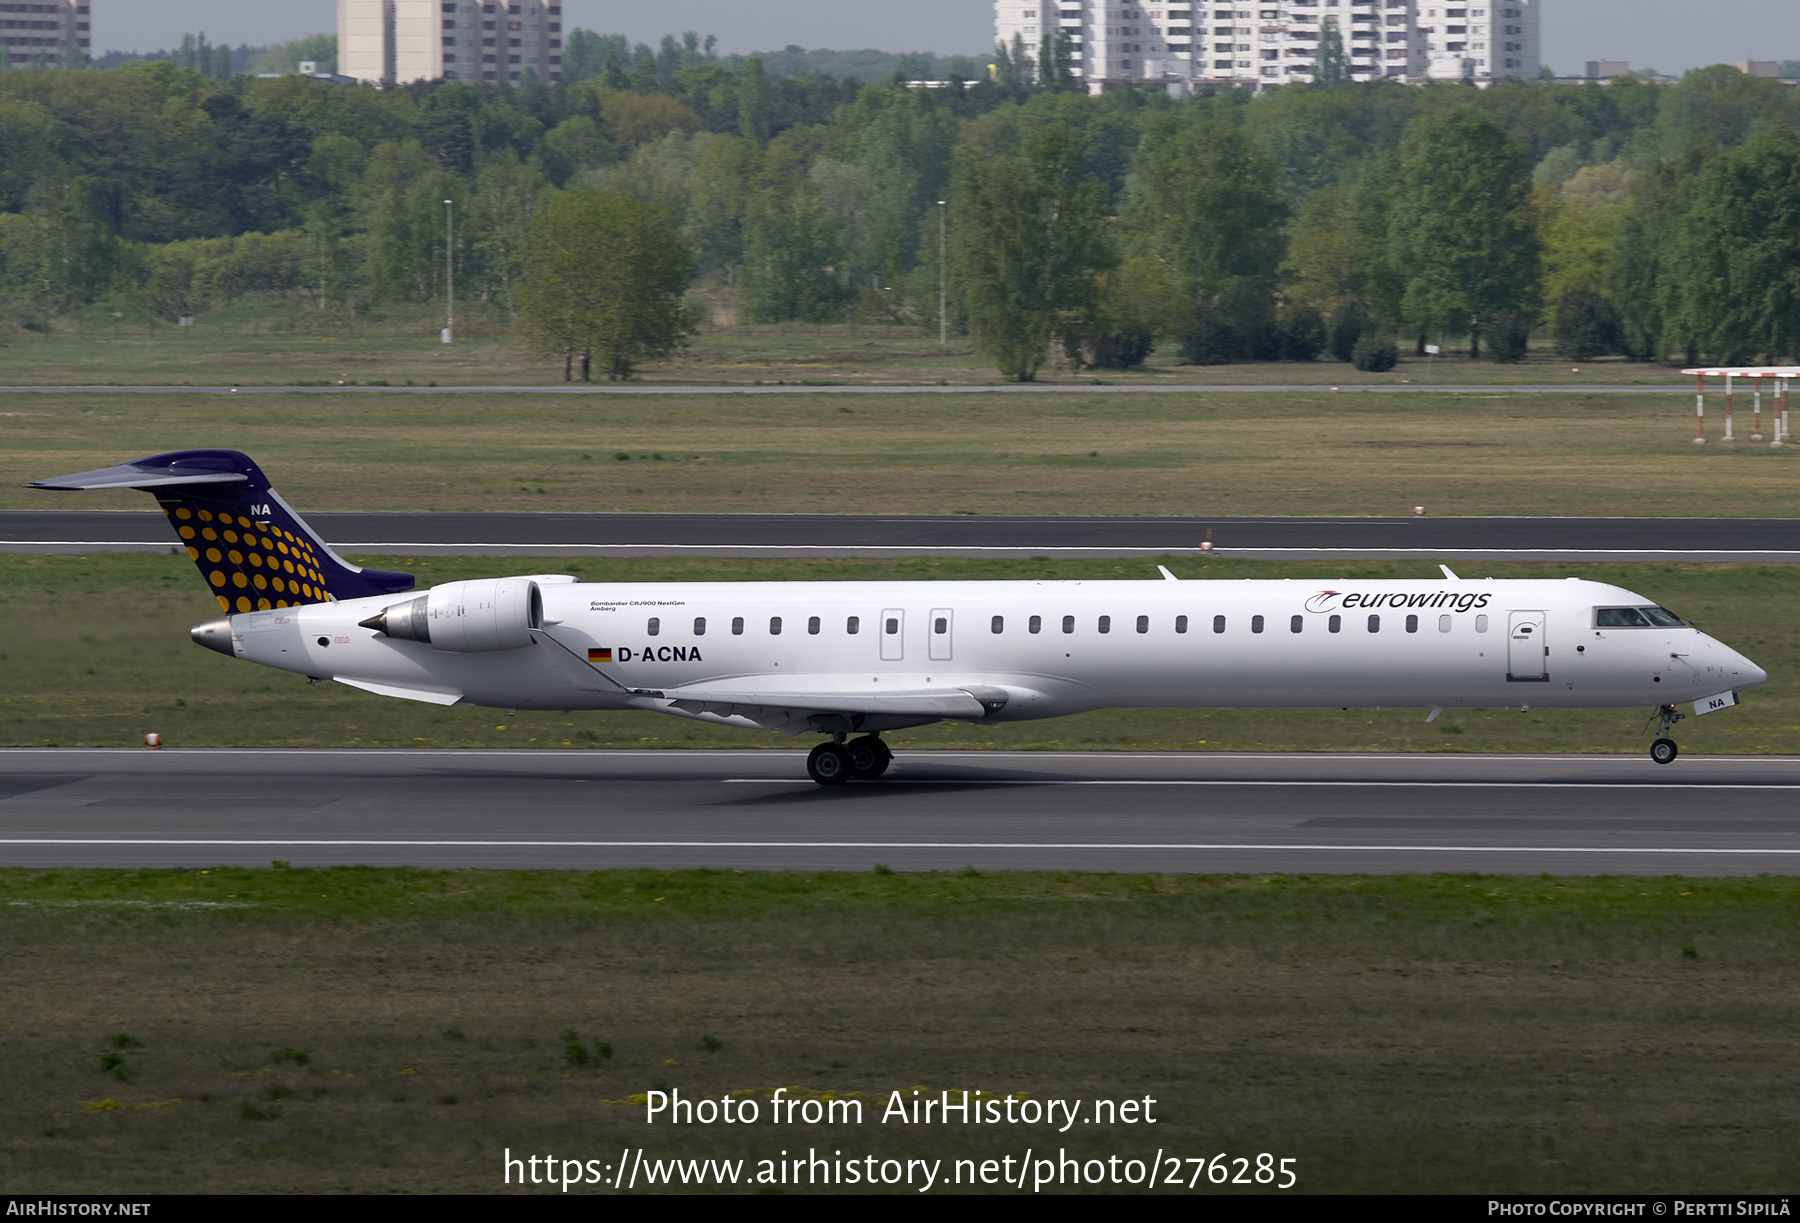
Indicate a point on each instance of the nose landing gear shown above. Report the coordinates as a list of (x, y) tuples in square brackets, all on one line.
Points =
[(1663, 750)]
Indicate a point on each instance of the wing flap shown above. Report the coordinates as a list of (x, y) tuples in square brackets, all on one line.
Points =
[(431, 696)]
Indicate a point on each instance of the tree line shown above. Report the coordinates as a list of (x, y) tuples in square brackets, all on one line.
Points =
[(1652, 221)]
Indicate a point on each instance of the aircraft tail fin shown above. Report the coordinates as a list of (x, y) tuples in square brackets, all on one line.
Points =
[(253, 550)]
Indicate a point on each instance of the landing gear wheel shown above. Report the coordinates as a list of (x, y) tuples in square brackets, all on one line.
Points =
[(829, 764), (1663, 751), (869, 757)]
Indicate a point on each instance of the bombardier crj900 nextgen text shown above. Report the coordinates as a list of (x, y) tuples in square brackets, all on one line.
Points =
[(853, 660)]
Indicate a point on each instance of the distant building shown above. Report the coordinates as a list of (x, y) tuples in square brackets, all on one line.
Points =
[(1760, 67), (1607, 69), (54, 35), (397, 41), (1182, 45)]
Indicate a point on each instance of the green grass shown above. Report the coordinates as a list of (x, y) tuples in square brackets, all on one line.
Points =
[(95, 652), (371, 1030), (278, 345), (1188, 454)]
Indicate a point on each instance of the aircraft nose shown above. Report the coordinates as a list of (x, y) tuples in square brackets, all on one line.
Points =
[(1748, 674)]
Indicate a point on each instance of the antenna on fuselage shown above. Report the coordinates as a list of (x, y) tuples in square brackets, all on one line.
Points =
[(1448, 574)]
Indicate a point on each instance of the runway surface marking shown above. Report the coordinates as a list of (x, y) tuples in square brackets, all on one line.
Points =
[(1479, 785), (1035, 549), (1069, 845)]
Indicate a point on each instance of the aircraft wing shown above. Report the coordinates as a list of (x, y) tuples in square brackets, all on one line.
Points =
[(974, 701), (742, 696)]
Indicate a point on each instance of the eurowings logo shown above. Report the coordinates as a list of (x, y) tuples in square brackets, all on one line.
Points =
[(1323, 601)]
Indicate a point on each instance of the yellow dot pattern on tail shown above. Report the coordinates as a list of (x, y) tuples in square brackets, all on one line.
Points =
[(252, 566)]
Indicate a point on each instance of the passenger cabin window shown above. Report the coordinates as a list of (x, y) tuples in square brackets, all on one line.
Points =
[(1035, 624), (1481, 624), (1412, 624), (737, 626), (853, 625), (1374, 624), (1256, 624), (1181, 624), (699, 626), (655, 626), (812, 625), (774, 626), (1335, 624), (1296, 624), (1218, 624), (1143, 624), (998, 625), (1068, 624), (1106, 624), (1444, 623)]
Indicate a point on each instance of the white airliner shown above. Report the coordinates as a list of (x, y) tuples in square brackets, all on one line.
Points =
[(853, 660)]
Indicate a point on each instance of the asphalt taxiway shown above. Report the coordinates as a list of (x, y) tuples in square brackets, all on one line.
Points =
[(1752, 540), (750, 810)]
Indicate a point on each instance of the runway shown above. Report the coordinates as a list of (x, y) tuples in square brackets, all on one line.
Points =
[(755, 810), (1761, 540)]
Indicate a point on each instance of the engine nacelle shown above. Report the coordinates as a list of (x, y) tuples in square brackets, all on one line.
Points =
[(466, 617)]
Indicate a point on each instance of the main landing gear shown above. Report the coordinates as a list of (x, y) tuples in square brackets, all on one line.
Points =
[(833, 764), (1664, 750)]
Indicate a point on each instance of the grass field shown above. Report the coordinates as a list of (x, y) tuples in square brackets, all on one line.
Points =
[(252, 346), (1288, 454), (365, 1030), (95, 650)]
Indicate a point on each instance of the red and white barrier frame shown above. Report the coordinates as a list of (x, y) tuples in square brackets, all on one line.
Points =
[(1783, 376)]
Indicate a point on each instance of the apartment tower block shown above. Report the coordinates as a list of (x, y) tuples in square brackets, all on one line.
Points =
[(397, 41), (49, 35), (1481, 41)]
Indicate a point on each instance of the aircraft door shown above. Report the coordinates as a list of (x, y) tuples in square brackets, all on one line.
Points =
[(942, 628), (1527, 647), (893, 635)]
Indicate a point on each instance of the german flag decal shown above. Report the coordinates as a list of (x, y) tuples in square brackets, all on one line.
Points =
[(600, 655)]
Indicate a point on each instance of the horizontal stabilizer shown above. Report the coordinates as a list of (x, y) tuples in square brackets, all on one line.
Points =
[(145, 473)]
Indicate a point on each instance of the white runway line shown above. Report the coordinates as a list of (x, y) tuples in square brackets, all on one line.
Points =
[(1479, 785), (1475, 551), (1354, 849)]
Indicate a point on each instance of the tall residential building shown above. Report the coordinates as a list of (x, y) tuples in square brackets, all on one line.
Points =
[(1178, 46), (54, 35), (458, 40)]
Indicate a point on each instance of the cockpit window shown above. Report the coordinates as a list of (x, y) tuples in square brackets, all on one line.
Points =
[(1636, 617)]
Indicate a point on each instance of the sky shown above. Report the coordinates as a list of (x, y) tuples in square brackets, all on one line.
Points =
[(1669, 35)]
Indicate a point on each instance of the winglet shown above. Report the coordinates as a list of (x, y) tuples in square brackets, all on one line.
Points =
[(1448, 574), (1167, 576)]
